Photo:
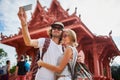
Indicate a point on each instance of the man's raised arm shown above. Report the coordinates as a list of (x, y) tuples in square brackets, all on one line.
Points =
[(26, 35)]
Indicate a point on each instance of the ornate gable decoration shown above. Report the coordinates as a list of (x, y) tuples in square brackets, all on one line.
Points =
[(38, 17), (42, 18), (58, 12)]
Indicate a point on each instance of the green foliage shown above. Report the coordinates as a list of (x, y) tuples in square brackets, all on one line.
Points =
[(115, 72), (3, 56), (12, 70), (2, 53)]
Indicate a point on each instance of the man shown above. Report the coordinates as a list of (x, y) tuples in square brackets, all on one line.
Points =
[(53, 52), (20, 69)]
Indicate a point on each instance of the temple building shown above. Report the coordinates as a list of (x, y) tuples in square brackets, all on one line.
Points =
[(98, 50)]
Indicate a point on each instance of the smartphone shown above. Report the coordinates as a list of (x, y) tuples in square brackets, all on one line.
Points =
[(27, 7)]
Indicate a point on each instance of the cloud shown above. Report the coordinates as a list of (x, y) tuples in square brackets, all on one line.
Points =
[(1, 26), (9, 14), (117, 60), (117, 41), (11, 53), (100, 16)]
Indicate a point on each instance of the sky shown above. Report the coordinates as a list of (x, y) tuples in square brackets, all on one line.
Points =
[(100, 16), (11, 53)]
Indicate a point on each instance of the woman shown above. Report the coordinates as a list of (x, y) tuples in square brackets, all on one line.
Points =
[(6, 70), (67, 61)]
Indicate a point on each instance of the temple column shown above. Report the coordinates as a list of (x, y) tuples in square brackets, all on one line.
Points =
[(96, 62), (101, 68), (108, 70)]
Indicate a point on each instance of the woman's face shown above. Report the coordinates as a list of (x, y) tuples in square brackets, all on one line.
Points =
[(66, 38)]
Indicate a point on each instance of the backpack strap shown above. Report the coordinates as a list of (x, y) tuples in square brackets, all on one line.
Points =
[(45, 47), (63, 48)]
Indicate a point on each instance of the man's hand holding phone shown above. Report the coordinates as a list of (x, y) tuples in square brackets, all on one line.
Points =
[(22, 16)]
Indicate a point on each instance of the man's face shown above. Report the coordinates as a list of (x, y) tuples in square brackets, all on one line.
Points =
[(56, 31)]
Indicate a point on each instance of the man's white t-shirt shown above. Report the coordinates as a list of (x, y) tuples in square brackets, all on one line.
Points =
[(51, 56)]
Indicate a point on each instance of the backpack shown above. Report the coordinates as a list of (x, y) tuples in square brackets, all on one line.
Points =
[(37, 57), (27, 66), (81, 71)]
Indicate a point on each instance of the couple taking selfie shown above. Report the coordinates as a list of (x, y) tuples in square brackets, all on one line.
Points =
[(59, 60)]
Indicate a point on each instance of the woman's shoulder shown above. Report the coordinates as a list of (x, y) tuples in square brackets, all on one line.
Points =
[(70, 47), (73, 49)]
